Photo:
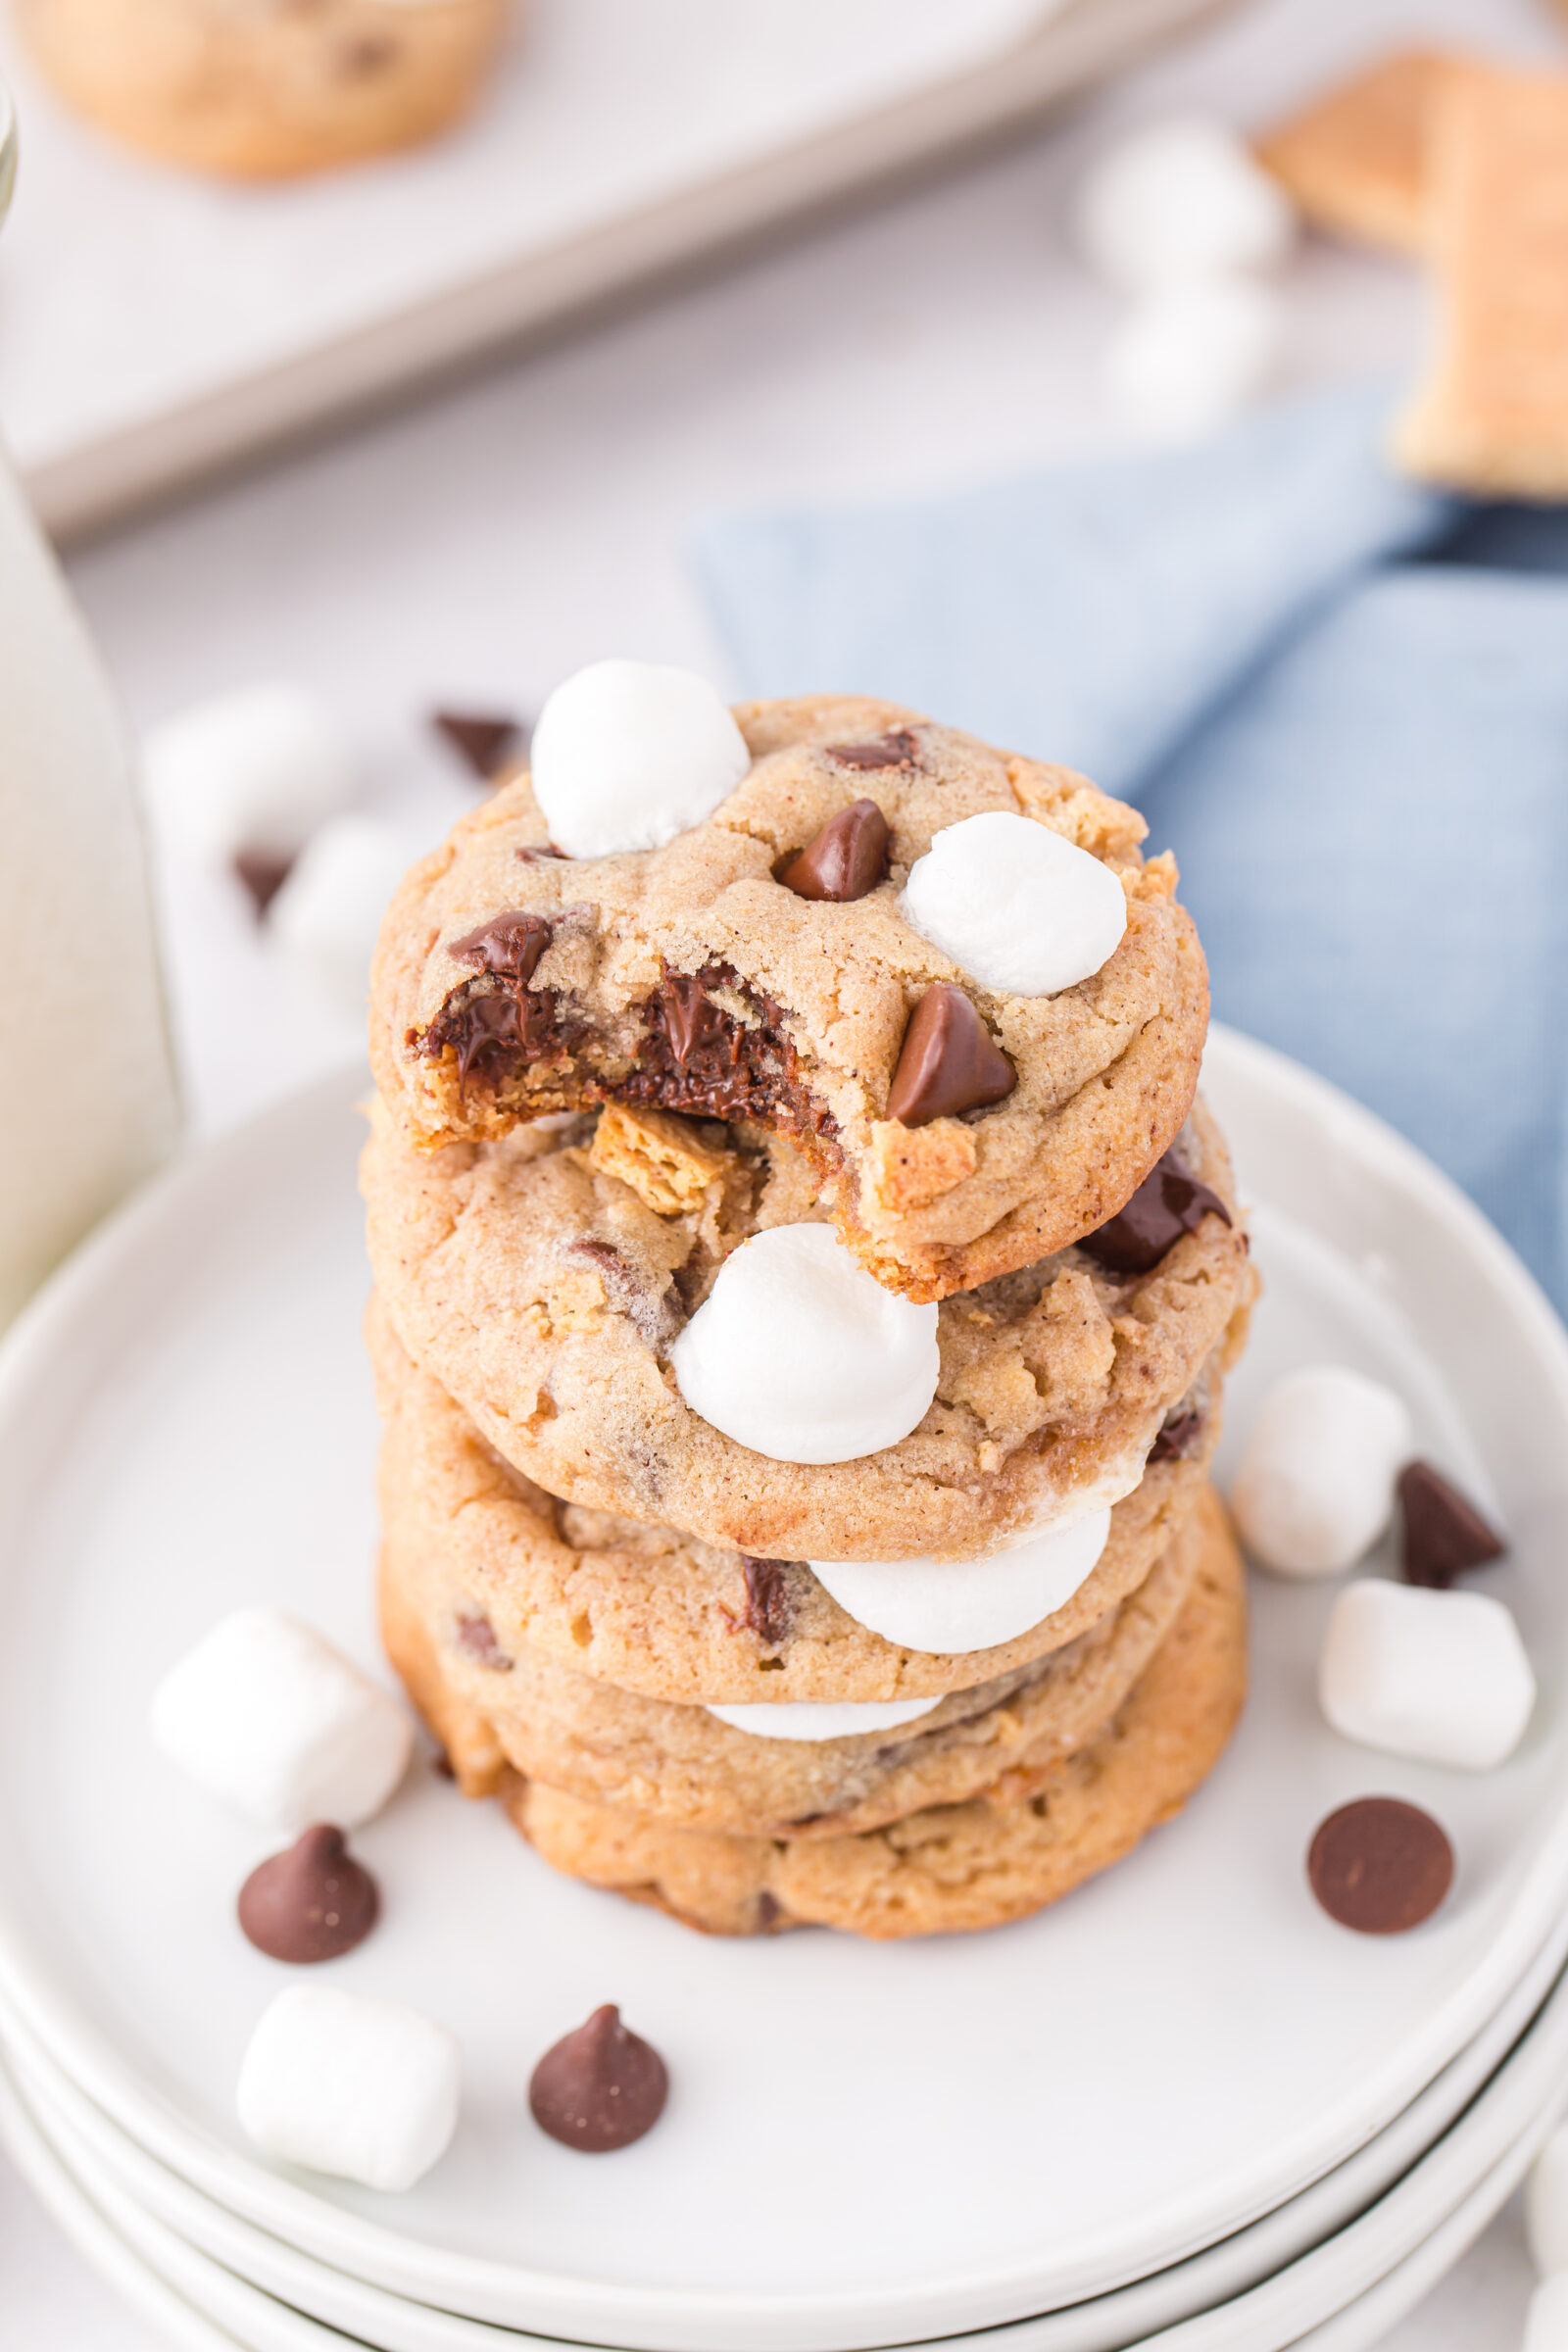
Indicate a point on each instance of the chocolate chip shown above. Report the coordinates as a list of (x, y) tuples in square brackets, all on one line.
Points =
[(1380, 1866), (848, 858), (371, 55), (481, 744), (767, 1598), (1178, 1437), (1166, 1204), (477, 1636), (600, 2088), (510, 945), (696, 1056), (770, 1911), (311, 1903), (1444, 1534), (264, 874), (948, 1061), (895, 749)]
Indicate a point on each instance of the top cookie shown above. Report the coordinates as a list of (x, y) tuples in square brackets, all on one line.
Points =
[(512, 982)]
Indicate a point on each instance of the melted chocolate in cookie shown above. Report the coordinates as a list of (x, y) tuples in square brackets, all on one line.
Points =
[(1166, 1204), (495, 1030), (477, 1636), (845, 861), (897, 749), (1178, 1437), (767, 1598), (696, 1056), (600, 2087), (948, 1061)]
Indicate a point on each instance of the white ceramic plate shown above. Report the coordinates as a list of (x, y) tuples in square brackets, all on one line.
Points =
[(98, 2150), (936, 2133), (1410, 2236)]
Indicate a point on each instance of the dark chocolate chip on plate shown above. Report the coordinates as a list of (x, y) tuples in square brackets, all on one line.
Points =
[(1168, 1202), (948, 1061), (848, 858), (1443, 1533), (312, 1902), (264, 873), (483, 743), (600, 2087), (1380, 1866)]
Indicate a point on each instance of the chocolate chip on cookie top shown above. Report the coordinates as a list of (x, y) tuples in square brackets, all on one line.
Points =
[(600, 2087), (759, 933)]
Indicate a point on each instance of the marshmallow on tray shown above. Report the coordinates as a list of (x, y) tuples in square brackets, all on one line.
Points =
[(825, 1719), (324, 919), (267, 1714), (948, 1606), (801, 1354), (364, 2089), (628, 753), (1182, 199), (1016, 905), (1315, 1485), (256, 771), (1546, 2212), (1188, 356), (1438, 1677)]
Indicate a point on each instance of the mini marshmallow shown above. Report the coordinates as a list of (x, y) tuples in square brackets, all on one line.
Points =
[(325, 918), (257, 770), (628, 753), (807, 1719), (801, 1354), (267, 1714), (950, 1606), (1547, 2211), (1441, 1677), (1187, 357), (1315, 1487), (1016, 905), (365, 2089), (1180, 200), (1546, 2320)]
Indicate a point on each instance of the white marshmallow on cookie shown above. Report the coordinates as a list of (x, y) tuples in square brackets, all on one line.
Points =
[(628, 753), (946, 1607), (1188, 356), (267, 1714), (800, 1353), (1439, 1677), (258, 770), (1315, 1485), (1181, 199), (366, 2090), (1016, 906), (825, 1719)]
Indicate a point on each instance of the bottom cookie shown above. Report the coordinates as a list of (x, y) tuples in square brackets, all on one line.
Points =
[(996, 1858)]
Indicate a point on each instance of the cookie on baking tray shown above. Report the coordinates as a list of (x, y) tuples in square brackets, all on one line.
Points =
[(265, 89), (946, 974)]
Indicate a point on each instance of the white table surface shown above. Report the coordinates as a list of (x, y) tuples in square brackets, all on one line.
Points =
[(475, 549)]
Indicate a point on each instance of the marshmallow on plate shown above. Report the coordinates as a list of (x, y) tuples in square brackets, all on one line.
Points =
[(365, 2089), (1546, 2320), (628, 753), (801, 1354), (265, 1713), (825, 1719), (946, 1607), (1018, 907), (1439, 1677), (1546, 2210), (256, 771), (1186, 357), (1315, 1485), (326, 917), (1181, 199)]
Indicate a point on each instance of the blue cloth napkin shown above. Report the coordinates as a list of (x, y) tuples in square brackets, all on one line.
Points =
[(1341, 700)]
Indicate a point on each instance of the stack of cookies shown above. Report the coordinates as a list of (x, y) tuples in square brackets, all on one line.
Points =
[(805, 1280)]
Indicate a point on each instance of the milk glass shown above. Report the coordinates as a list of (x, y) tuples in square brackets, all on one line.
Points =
[(87, 1098)]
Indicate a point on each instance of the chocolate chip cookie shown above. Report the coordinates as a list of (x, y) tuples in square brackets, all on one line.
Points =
[(760, 968)]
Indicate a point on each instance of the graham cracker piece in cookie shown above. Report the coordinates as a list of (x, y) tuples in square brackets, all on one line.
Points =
[(912, 1166), (662, 1156), (1492, 415), (1354, 160)]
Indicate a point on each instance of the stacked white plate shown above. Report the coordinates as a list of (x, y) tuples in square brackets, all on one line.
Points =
[(1182, 2107)]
